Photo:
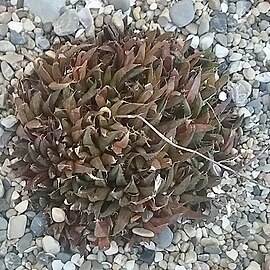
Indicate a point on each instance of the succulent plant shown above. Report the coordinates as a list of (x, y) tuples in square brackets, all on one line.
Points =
[(87, 144)]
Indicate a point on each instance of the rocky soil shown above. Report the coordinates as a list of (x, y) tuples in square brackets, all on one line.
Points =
[(238, 34)]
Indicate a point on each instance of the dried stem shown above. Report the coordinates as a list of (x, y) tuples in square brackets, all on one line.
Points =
[(239, 175), (179, 146)]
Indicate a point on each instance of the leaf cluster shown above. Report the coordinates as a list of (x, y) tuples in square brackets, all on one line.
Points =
[(112, 174)]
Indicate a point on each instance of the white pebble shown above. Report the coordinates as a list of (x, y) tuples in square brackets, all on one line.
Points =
[(50, 245), (58, 215), (57, 265), (232, 254), (16, 26), (222, 96), (221, 51), (153, 6), (69, 266), (22, 206), (113, 249)]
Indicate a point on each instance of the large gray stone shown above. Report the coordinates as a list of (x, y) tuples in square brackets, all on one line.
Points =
[(67, 23), (120, 4), (182, 13), (47, 10)]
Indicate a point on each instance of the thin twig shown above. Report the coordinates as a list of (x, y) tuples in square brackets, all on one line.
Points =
[(179, 146), (237, 174)]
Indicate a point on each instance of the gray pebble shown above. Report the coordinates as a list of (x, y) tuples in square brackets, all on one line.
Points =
[(17, 38), (3, 223), (214, 4), (182, 13), (42, 43), (39, 224), (120, 4), (3, 30), (219, 22), (25, 242), (12, 261)]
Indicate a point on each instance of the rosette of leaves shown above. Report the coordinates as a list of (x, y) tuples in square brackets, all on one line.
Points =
[(82, 147)]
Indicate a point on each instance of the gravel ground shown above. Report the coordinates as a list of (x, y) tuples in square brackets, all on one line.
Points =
[(238, 33)]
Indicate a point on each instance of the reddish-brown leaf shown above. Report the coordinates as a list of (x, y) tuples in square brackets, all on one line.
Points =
[(122, 220)]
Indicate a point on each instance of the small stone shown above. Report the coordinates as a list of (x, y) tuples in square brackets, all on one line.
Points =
[(15, 26), (143, 232), (195, 42), (50, 245), (25, 242), (7, 71), (244, 111), (235, 57), (253, 266), (12, 261), (58, 215), (22, 206), (216, 229), (28, 25), (232, 254), (39, 224), (17, 38), (12, 58), (240, 91), (64, 257), (191, 257), (219, 22), (158, 256), (263, 77), (130, 265), (2, 265), (4, 206), (204, 24), (180, 267), (77, 259), (212, 249), (120, 259), (99, 21), (164, 238), (6, 46), (124, 5), (5, 17), (16, 226), (222, 39), (242, 7), (57, 265), (148, 255), (3, 30), (221, 51), (9, 121), (3, 223), (117, 20), (67, 23), (42, 43), (206, 41), (249, 73), (266, 229), (190, 230), (2, 188), (182, 13), (263, 7), (209, 241), (201, 266), (113, 249), (87, 265), (69, 266), (214, 4)]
